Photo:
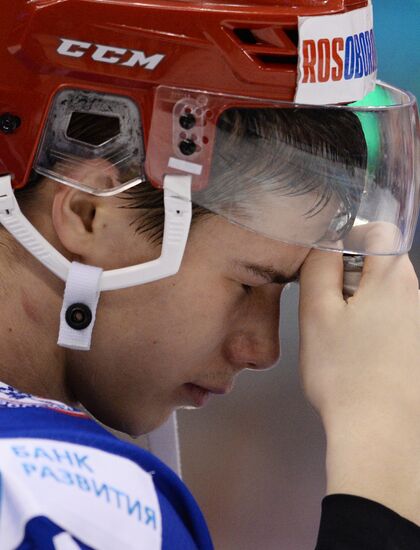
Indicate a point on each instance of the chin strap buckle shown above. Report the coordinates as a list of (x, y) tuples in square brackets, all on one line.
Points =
[(78, 313)]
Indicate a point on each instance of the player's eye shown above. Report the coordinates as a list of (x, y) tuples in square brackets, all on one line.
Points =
[(247, 289)]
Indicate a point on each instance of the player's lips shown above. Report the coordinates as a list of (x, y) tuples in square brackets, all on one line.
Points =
[(218, 390), (201, 394)]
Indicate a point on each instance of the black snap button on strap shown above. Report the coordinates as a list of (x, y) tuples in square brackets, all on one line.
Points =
[(78, 316)]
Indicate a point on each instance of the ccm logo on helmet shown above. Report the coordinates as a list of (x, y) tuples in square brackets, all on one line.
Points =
[(336, 59), (109, 54)]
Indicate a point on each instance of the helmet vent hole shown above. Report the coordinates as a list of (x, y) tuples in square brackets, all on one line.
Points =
[(246, 36), (271, 47), (273, 60), (293, 34)]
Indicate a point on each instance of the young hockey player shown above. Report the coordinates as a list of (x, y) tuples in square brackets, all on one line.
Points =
[(169, 167)]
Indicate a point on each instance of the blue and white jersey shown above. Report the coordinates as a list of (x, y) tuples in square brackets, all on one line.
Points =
[(68, 484)]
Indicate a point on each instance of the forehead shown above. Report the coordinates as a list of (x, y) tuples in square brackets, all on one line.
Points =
[(303, 219), (227, 243)]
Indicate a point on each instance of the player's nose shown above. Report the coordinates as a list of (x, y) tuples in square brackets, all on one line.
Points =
[(254, 342), (247, 350)]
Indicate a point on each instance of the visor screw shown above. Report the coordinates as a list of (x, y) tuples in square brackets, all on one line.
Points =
[(187, 121), (9, 123), (78, 316), (187, 147)]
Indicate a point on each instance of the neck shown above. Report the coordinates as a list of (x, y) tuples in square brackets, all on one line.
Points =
[(29, 322)]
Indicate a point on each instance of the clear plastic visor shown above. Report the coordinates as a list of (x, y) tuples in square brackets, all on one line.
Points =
[(330, 177), (339, 178)]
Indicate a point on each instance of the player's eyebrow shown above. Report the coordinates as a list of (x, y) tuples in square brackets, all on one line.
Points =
[(270, 274)]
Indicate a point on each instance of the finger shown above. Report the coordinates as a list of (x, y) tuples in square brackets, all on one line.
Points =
[(321, 279), (380, 240), (388, 271), (375, 238)]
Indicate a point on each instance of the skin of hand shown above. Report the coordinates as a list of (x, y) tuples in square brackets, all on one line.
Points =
[(360, 370)]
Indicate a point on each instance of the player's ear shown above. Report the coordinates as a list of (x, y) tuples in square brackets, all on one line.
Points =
[(85, 223), (73, 215)]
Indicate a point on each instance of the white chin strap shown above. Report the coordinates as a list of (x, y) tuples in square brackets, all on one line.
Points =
[(84, 283)]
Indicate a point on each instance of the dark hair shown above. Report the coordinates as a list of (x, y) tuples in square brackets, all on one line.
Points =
[(261, 150)]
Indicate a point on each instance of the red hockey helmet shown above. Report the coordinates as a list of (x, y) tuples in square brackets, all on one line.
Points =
[(162, 74), (129, 49)]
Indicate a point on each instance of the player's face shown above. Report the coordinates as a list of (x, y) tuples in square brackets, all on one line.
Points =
[(156, 345)]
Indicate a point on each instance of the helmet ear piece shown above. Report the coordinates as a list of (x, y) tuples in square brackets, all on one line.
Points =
[(90, 126)]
